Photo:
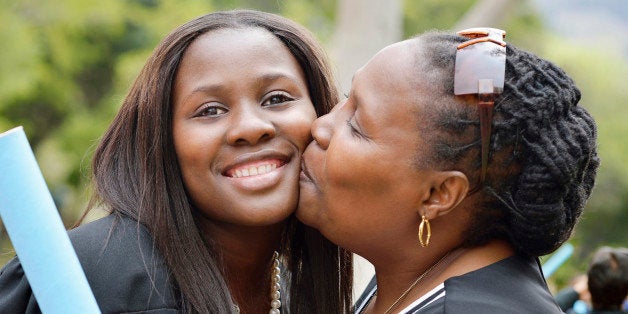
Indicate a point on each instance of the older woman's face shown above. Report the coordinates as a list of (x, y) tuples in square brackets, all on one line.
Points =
[(241, 119), (360, 184)]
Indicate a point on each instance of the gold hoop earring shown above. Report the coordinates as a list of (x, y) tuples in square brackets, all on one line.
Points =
[(425, 224)]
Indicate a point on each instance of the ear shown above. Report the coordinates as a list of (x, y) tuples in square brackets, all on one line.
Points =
[(448, 190)]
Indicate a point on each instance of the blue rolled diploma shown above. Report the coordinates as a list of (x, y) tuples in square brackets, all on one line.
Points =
[(37, 232)]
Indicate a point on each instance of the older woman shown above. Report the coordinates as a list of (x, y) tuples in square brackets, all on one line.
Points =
[(454, 163)]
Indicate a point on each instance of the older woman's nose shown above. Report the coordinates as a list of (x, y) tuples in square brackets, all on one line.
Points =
[(322, 130)]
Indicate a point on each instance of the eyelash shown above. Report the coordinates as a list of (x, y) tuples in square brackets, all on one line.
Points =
[(203, 112), (284, 98), (354, 131)]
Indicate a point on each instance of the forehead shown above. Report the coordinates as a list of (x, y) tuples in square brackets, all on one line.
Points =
[(391, 65), (235, 58), (231, 45), (387, 84)]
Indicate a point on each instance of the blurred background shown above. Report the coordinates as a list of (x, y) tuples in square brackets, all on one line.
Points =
[(66, 65)]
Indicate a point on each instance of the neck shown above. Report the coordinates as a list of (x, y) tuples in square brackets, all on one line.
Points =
[(245, 255), (394, 280)]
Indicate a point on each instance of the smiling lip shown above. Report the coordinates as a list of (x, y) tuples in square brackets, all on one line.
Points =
[(258, 171), (255, 168), (254, 164)]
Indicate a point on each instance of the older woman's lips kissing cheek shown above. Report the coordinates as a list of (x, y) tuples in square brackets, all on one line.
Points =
[(305, 174), (258, 170)]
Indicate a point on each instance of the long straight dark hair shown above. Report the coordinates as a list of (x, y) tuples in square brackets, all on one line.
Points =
[(136, 174)]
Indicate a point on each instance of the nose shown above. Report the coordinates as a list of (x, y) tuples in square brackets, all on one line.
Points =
[(322, 130), (250, 126)]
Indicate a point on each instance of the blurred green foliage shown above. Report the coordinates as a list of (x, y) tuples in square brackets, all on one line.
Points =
[(66, 66)]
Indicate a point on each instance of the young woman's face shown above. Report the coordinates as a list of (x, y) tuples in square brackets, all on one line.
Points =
[(241, 119), (360, 185)]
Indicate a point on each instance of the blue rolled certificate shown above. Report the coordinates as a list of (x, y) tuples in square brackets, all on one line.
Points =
[(37, 232)]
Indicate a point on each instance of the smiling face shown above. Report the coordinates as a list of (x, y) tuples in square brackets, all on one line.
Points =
[(241, 119), (361, 186)]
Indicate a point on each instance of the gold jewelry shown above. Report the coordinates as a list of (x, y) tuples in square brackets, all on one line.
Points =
[(405, 293), (425, 224)]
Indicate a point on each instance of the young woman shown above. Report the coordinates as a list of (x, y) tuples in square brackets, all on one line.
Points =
[(451, 212), (200, 172)]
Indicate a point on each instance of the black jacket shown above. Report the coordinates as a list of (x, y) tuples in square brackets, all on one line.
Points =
[(124, 269)]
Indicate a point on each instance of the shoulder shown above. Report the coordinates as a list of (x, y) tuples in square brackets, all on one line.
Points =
[(102, 242), (513, 285), (123, 267), (113, 245)]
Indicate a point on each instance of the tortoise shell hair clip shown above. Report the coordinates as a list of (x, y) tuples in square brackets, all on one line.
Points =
[(480, 69)]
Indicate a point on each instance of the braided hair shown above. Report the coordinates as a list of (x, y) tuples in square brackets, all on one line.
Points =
[(543, 155)]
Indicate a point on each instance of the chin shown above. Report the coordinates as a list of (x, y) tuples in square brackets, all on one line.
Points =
[(276, 212), (307, 212), (262, 210), (259, 218)]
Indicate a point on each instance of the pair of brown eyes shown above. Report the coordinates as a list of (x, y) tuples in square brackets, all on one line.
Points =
[(214, 110)]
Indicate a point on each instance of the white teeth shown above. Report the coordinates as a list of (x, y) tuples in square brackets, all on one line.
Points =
[(252, 171)]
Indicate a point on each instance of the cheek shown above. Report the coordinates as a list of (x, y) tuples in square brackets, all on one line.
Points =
[(347, 182), (350, 167), (182, 148), (188, 158), (185, 145), (187, 165), (195, 150), (359, 176)]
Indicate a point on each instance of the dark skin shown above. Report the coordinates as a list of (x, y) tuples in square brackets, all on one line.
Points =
[(247, 261), (241, 119), (374, 204)]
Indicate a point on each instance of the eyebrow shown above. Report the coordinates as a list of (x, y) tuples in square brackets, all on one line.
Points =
[(358, 101), (278, 76), (206, 89), (269, 77)]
